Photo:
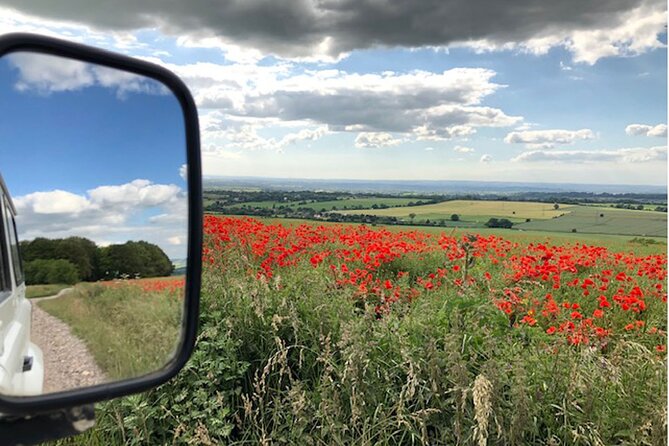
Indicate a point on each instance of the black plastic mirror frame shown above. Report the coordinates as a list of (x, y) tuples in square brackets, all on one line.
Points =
[(46, 45)]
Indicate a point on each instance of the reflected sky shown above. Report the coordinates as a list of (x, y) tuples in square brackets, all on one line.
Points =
[(92, 151)]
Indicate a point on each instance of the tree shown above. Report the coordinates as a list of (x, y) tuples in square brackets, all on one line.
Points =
[(412, 216), (556, 206), (79, 251), (455, 217), (499, 223), (48, 271), (134, 258)]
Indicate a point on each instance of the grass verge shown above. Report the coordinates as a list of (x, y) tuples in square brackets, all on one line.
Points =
[(33, 291), (129, 331)]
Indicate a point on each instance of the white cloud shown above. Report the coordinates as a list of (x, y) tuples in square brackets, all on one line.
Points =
[(183, 172), (429, 149), (138, 193), (48, 74), (486, 158), (546, 139), (247, 137), (106, 213), (53, 202), (565, 67), (625, 155), (659, 130), (176, 240), (304, 135), (634, 32), (624, 31), (375, 140), (462, 149)]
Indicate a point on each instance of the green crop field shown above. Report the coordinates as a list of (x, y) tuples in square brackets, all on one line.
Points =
[(585, 219), (604, 221), (476, 210)]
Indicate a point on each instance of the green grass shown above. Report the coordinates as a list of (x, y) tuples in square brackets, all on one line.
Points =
[(300, 360), (129, 332), (44, 290), (588, 219)]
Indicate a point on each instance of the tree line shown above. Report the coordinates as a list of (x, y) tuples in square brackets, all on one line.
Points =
[(76, 259)]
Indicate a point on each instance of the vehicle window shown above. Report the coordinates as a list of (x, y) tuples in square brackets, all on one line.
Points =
[(5, 283), (14, 244)]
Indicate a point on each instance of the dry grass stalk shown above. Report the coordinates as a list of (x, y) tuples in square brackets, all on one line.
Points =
[(482, 393)]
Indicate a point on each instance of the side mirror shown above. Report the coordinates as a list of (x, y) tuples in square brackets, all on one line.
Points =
[(101, 210)]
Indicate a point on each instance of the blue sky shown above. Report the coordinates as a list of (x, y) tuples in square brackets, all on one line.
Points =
[(77, 140), (563, 92)]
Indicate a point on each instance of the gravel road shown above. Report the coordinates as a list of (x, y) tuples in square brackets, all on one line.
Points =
[(67, 362)]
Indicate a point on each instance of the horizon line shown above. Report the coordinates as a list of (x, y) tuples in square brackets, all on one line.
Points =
[(204, 177)]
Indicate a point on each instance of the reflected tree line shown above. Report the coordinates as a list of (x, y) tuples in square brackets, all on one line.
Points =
[(76, 259)]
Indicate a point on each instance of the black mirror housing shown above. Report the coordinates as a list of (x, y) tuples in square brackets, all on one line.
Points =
[(29, 405)]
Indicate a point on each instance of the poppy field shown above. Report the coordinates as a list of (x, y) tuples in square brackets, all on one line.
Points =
[(579, 293), (350, 334)]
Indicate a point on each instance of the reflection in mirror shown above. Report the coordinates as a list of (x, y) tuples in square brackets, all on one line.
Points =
[(94, 224)]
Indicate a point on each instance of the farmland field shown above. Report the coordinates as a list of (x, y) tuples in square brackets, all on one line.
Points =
[(519, 210), (604, 221), (586, 219), (352, 334)]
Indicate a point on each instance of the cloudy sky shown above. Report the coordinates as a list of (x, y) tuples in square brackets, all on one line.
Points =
[(529, 90), (92, 152)]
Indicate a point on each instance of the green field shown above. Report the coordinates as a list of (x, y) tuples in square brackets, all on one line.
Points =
[(356, 203), (476, 210), (588, 219)]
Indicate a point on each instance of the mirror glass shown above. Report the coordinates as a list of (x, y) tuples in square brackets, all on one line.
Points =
[(94, 224)]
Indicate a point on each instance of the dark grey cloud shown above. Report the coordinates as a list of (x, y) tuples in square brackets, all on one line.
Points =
[(332, 27)]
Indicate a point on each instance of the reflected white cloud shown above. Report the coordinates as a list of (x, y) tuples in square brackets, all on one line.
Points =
[(138, 210), (46, 74)]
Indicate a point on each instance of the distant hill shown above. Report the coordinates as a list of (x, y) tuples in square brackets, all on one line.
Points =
[(179, 266), (417, 186)]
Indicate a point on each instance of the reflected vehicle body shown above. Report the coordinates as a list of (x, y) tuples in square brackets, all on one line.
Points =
[(21, 362)]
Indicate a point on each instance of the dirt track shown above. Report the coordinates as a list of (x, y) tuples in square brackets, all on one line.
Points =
[(67, 362)]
